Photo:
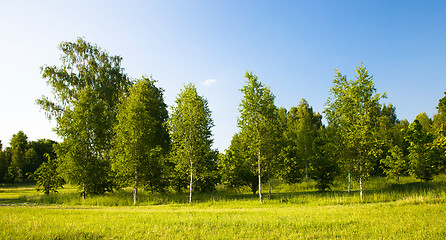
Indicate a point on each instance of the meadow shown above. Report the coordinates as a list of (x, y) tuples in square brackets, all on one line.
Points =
[(389, 210)]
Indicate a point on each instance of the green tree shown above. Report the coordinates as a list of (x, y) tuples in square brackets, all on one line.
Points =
[(395, 164), (440, 132), (36, 153), (424, 157), (82, 152), (258, 118), (141, 137), (4, 164), (88, 76), (16, 170), (47, 177), (302, 127), (322, 165), (191, 140), (426, 121), (353, 109), (236, 165), (387, 134), (440, 118)]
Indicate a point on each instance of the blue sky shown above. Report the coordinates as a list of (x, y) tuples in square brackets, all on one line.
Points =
[(293, 46)]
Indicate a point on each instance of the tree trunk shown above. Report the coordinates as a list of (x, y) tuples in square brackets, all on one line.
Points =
[(306, 164), (260, 178), (83, 192), (349, 182), (360, 187), (360, 179), (421, 184), (269, 185), (135, 190), (190, 183)]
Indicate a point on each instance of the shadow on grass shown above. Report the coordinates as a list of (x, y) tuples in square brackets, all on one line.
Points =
[(380, 190)]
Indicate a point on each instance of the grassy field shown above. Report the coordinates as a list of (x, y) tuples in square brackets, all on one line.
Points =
[(388, 211)]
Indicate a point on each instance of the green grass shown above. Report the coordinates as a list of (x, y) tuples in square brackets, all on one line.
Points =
[(388, 211)]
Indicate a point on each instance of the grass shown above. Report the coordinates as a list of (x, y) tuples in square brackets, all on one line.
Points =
[(388, 211)]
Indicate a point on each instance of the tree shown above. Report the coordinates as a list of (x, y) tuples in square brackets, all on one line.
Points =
[(16, 170), (353, 109), (87, 88), (4, 164), (82, 152), (322, 165), (47, 176), (190, 126), (36, 151), (301, 131), (387, 134), (141, 137), (440, 118), (395, 164), (426, 122), (424, 157), (258, 118), (236, 165)]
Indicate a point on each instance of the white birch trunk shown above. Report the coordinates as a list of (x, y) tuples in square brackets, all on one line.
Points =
[(360, 178), (83, 192), (349, 182), (135, 190), (360, 187), (190, 183), (260, 179), (269, 186), (306, 164)]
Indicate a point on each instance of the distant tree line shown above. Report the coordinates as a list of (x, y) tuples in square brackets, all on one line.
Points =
[(22, 158), (117, 132)]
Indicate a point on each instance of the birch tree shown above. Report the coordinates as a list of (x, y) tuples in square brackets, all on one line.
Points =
[(87, 87), (258, 114), (353, 109), (141, 138), (190, 126)]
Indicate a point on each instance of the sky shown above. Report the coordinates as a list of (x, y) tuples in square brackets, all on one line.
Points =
[(292, 46)]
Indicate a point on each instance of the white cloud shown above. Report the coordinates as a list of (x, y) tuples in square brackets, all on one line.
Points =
[(209, 82)]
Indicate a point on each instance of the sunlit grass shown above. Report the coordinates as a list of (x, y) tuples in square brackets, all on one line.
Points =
[(389, 210), (365, 221), (377, 190)]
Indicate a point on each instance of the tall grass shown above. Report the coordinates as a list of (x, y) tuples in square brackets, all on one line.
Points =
[(225, 221), (389, 210), (377, 190)]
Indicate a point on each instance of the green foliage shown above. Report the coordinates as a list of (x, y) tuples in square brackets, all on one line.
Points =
[(141, 139), (47, 177), (302, 125), (236, 165), (19, 162), (439, 120), (322, 165), (352, 109), (258, 120), (4, 164), (190, 126), (395, 165), (82, 153), (424, 157), (87, 88)]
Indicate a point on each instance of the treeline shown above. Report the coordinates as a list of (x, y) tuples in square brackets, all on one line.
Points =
[(118, 132), (22, 158), (363, 138)]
